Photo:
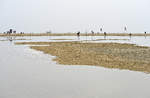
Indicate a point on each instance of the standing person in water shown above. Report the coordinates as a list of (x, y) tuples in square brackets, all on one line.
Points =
[(92, 32), (105, 33), (78, 34), (130, 34), (145, 34), (101, 29)]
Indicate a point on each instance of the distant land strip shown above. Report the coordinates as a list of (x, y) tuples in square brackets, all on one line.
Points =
[(74, 34)]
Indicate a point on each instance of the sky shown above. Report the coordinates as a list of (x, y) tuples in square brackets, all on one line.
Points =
[(62, 16)]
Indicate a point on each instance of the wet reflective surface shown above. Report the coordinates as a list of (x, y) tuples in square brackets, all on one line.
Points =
[(25, 73), (139, 40)]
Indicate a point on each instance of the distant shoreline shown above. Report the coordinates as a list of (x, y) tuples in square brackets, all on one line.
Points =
[(74, 34)]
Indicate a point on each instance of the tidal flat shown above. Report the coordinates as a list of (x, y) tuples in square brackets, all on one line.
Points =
[(109, 55)]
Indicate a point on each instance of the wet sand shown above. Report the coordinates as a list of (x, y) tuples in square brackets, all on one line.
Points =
[(110, 55)]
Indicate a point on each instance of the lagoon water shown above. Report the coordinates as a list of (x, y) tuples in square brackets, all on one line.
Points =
[(25, 73)]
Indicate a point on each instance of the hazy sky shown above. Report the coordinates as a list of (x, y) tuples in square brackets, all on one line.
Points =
[(75, 15)]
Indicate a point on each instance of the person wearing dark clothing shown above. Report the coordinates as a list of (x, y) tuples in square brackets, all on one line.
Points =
[(92, 32), (78, 34), (105, 33)]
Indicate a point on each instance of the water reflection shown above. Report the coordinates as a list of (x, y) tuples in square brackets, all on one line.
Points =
[(139, 40), (32, 74)]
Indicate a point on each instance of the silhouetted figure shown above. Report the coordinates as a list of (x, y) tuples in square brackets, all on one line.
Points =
[(10, 31), (125, 29), (14, 32), (145, 34), (101, 29), (105, 34), (78, 34), (92, 32)]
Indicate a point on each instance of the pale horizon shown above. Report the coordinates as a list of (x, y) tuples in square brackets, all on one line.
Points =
[(65, 16)]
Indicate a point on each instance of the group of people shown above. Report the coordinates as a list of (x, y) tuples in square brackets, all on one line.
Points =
[(11, 31), (78, 33)]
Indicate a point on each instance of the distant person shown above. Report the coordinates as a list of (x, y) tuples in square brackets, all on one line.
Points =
[(10, 31), (145, 32), (14, 32), (101, 29), (105, 34), (92, 32), (78, 34)]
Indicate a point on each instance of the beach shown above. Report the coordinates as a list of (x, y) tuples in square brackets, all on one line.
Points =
[(110, 55)]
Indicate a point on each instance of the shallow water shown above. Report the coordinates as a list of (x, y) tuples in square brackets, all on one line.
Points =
[(25, 73), (138, 40)]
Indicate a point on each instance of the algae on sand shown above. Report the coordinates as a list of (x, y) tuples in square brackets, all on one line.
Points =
[(110, 55)]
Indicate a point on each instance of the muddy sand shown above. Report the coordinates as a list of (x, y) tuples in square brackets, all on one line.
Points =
[(110, 55)]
